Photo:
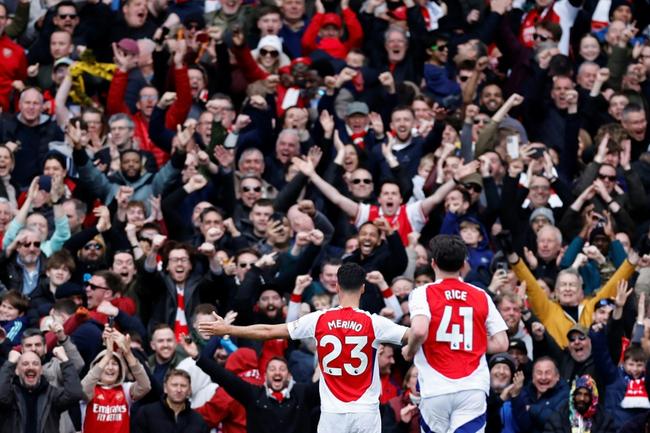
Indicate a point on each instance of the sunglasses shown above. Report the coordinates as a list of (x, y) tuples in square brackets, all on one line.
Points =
[(246, 265), (358, 181), (71, 16), (474, 187), (480, 120), (578, 338), (95, 286), (605, 177), (95, 247), (249, 189), (441, 47), (35, 244), (539, 37), (463, 78), (272, 53)]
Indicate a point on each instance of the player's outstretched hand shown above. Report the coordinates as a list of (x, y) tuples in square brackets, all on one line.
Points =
[(215, 327)]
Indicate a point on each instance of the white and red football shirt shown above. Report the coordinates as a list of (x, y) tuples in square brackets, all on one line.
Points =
[(346, 345), (461, 317), (408, 218)]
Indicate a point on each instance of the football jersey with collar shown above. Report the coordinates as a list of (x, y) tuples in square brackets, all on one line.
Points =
[(347, 340)]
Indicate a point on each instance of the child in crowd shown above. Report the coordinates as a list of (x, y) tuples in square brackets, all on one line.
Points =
[(12, 315)]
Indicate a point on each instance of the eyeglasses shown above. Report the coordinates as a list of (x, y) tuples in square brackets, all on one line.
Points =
[(249, 189), (606, 177), (272, 53), (35, 244), (95, 247), (575, 338), (539, 37), (246, 265), (65, 16), (95, 286), (179, 260), (358, 181)]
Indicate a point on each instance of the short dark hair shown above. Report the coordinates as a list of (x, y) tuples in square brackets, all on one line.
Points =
[(331, 261), (634, 353), (64, 3), (553, 28), (278, 358), (211, 209), (127, 151), (449, 252), (547, 358), (173, 372), (351, 277), (113, 280), (67, 306), (33, 332), (263, 202)]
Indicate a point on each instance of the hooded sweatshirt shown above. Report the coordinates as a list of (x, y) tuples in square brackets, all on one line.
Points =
[(108, 406), (222, 408)]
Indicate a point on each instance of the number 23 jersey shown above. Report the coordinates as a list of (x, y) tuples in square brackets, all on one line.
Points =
[(346, 345), (461, 317)]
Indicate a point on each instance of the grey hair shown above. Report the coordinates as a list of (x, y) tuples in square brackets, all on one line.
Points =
[(395, 29), (121, 116), (558, 233), (289, 131)]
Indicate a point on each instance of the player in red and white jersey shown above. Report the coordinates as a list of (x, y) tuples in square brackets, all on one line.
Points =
[(453, 326), (347, 340)]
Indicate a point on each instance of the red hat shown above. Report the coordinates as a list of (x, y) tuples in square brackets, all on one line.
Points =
[(398, 14), (303, 60), (333, 47), (332, 19)]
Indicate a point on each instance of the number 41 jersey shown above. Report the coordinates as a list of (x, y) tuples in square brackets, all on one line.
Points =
[(346, 344), (462, 317)]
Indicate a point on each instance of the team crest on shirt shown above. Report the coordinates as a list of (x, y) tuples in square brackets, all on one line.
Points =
[(118, 397), (100, 397), (7, 52)]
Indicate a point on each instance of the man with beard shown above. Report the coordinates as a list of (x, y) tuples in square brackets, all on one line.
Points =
[(129, 173), (164, 357), (29, 403), (576, 359), (636, 125), (402, 217), (505, 385), (176, 290), (287, 146), (23, 269), (581, 412)]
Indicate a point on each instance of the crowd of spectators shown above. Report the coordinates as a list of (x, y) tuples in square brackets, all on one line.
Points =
[(164, 161)]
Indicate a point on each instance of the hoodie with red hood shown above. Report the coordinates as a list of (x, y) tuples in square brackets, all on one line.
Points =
[(222, 408)]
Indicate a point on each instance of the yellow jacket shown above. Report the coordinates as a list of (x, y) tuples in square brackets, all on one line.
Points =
[(551, 314)]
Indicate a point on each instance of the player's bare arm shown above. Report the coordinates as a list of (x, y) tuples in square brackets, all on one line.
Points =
[(417, 334), (497, 343), (253, 332)]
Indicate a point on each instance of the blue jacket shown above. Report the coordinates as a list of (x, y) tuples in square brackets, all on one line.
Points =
[(479, 256), (540, 409), (615, 380)]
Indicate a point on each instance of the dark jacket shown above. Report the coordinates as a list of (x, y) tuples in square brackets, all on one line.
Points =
[(34, 145), (158, 417), (559, 422), (532, 412), (11, 273), (50, 400), (265, 414)]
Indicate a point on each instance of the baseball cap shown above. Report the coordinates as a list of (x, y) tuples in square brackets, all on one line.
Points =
[(606, 302), (129, 46), (331, 19), (578, 328), (63, 61), (518, 344), (474, 178), (503, 358), (543, 212), (357, 107)]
